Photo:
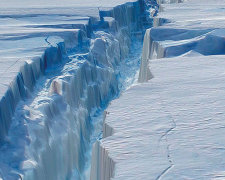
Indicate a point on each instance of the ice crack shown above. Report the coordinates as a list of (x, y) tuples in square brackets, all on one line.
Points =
[(164, 172), (46, 40), (165, 135)]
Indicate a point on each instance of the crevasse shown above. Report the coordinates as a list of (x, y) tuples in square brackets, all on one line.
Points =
[(47, 113)]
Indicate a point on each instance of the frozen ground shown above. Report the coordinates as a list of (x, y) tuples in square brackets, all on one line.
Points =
[(172, 126)]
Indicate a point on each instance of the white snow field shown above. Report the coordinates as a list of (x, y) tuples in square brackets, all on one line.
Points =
[(171, 124), (61, 62)]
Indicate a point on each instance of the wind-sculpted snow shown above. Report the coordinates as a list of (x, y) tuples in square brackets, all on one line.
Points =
[(60, 67), (171, 126)]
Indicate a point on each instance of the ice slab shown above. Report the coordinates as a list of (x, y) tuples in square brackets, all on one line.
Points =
[(172, 126), (181, 28)]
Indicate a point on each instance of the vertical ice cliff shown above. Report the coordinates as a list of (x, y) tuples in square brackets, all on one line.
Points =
[(145, 73), (46, 113), (151, 48), (102, 166)]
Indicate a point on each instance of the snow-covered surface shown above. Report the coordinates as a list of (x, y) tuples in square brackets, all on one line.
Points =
[(172, 126), (60, 65), (59, 3), (194, 14)]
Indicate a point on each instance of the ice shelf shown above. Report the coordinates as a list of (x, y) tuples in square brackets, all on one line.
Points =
[(172, 125), (60, 65)]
